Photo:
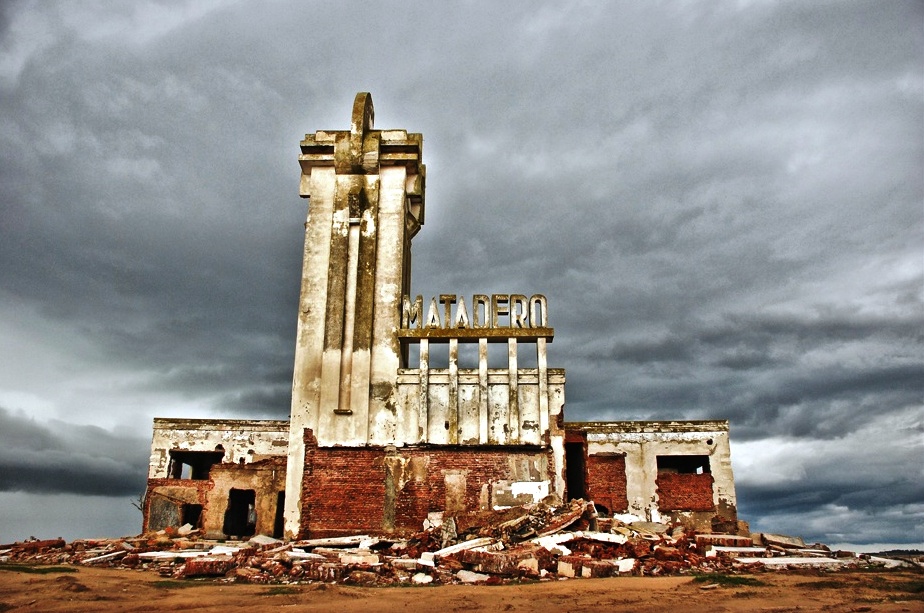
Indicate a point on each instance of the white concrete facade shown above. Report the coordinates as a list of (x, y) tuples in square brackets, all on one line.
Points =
[(643, 441)]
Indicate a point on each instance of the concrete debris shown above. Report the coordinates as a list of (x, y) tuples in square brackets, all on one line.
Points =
[(467, 576), (422, 578), (793, 542), (539, 542)]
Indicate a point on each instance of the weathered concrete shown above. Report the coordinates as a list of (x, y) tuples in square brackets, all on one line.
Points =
[(241, 440), (642, 443), (367, 202), (195, 464)]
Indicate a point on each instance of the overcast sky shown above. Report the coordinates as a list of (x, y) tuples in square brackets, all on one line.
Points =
[(723, 203)]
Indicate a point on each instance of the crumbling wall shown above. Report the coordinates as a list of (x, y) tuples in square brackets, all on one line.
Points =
[(375, 489), (697, 500), (222, 455), (239, 439), (167, 498)]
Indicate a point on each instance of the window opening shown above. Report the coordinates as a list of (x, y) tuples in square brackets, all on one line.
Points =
[(191, 514), (683, 464), (193, 464)]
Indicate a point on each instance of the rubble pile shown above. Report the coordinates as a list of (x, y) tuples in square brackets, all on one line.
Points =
[(537, 542)]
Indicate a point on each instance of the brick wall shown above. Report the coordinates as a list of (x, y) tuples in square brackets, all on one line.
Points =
[(606, 481), (367, 489), (343, 491), (685, 492)]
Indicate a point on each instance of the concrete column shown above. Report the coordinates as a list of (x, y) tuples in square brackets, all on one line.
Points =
[(483, 391), (306, 379), (513, 403), (453, 409)]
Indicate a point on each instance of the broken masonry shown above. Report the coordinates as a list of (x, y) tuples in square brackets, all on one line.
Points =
[(396, 418)]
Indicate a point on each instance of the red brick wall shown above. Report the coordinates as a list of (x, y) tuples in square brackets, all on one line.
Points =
[(344, 489), (685, 492), (606, 482)]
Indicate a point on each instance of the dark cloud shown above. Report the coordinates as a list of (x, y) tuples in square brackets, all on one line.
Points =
[(58, 457), (722, 203)]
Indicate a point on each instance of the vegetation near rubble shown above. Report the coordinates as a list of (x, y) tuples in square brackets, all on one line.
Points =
[(282, 590), (37, 570), (169, 584), (727, 580), (911, 586)]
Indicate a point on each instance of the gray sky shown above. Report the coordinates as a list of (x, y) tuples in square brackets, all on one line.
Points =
[(723, 202)]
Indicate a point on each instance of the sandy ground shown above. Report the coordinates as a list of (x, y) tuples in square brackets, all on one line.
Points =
[(101, 589)]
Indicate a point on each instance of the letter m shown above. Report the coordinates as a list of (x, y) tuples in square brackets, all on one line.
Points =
[(411, 314)]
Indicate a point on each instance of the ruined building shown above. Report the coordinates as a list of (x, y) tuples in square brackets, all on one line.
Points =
[(379, 437)]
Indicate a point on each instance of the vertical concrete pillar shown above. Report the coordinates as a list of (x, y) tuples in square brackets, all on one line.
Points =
[(483, 390), (366, 190), (453, 409)]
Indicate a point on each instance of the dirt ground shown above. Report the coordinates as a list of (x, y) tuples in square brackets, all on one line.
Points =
[(103, 589)]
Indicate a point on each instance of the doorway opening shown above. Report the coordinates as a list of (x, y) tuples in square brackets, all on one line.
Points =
[(576, 469), (241, 516), (279, 523)]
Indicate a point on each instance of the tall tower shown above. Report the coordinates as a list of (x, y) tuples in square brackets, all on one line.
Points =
[(366, 190)]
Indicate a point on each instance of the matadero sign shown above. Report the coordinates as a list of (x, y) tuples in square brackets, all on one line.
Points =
[(497, 317)]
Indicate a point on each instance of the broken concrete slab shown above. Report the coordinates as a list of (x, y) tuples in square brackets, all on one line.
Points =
[(715, 550), (500, 562), (403, 563), (604, 537), (360, 540), (650, 527), (102, 558), (791, 542), (703, 541), (795, 561), (422, 578), (367, 558), (626, 565), (472, 544), (261, 540), (299, 554), (185, 530), (467, 576)]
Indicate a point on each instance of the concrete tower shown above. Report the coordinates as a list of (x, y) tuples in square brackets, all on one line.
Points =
[(366, 190)]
